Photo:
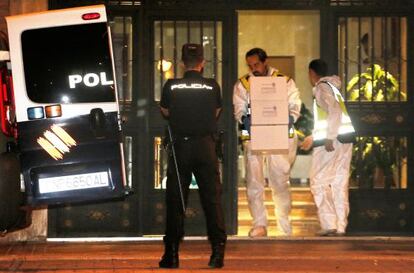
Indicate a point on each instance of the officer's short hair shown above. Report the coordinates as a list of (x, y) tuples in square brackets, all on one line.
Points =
[(259, 52), (319, 66), (192, 55)]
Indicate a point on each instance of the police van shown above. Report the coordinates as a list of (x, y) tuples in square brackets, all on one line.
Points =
[(60, 104)]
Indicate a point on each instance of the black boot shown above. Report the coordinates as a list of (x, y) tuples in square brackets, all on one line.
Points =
[(170, 257), (217, 256)]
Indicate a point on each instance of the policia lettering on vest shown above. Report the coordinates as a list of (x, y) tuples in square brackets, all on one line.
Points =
[(192, 105)]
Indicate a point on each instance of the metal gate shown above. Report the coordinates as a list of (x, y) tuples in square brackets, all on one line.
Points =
[(168, 34), (373, 63)]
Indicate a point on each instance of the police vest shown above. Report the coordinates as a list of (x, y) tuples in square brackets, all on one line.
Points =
[(346, 133)]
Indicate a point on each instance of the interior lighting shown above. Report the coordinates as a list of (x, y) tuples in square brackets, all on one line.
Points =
[(164, 65)]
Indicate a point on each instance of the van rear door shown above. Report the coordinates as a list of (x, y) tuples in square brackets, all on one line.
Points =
[(67, 114)]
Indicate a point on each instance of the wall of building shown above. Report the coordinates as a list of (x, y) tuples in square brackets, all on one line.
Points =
[(4, 11), (282, 33), (27, 6), (13, 7)]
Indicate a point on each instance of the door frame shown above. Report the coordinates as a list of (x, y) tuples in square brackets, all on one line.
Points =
[(156, 124)]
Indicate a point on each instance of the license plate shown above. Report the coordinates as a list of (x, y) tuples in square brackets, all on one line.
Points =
[(73, 182)]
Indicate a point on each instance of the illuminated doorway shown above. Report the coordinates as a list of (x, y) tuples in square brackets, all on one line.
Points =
[(291, 40)]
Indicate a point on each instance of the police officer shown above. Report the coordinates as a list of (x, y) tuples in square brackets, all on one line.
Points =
[(192, 105), (332, 139), (278, 165)]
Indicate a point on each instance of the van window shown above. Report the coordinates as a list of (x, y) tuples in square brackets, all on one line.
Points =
[(68, 64)]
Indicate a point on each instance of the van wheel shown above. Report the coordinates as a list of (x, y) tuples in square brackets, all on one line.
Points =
[(12, 217)]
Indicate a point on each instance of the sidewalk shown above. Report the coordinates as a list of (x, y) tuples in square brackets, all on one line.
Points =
[(365, 254)]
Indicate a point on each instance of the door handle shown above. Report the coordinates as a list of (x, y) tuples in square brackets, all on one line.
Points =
[(97, 121)]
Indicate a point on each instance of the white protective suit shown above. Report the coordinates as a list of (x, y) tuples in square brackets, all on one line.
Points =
[(329, 173), (278, 165)]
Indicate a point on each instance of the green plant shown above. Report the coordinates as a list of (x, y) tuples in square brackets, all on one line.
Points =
[(375, 84), (375, 160)]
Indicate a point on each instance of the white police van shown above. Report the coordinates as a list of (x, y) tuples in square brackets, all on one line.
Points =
[(62, 108)]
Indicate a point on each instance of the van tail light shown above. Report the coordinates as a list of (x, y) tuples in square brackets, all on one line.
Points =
[(91, 16), (7, 108), (53, 111)]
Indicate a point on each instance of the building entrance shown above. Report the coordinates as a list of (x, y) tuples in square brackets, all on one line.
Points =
[(147, 40), (291, 40)]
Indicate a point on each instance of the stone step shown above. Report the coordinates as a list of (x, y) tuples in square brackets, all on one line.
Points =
[(300, 211), (300, 227), (270, 203), (295, 221), (272, 218), (302, 194), (297, 231), (303, 215)]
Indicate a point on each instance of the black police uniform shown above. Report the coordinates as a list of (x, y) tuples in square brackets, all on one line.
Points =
[(192, 103)]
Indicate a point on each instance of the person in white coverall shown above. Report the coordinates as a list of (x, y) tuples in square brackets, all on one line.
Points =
[(279, 166), (332, 139)]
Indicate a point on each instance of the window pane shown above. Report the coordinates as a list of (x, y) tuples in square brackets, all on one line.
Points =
[(169, 37), (373, 58), (121, 30), (128, 159), (195, 32), (157, 39), (219, 57), (160, 166), (68, 64), (164, 51), (168, 41), (212, 49)]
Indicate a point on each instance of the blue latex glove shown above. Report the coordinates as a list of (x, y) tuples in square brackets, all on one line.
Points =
[(246, 120)]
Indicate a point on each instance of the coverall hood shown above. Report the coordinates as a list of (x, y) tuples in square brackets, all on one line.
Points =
[(334, 79)]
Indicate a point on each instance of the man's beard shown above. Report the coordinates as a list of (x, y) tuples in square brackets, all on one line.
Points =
[(258, 74)]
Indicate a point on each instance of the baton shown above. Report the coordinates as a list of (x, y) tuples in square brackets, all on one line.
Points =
[(176, 169)]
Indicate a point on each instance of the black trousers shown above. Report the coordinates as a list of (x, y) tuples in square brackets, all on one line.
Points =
[(195, 155)]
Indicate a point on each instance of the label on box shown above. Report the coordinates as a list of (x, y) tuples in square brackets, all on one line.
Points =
[(265, 112), (268, 88)]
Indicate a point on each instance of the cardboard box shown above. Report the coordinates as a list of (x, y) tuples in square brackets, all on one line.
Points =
[(268, 88), (269, 112), (269, 139)]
